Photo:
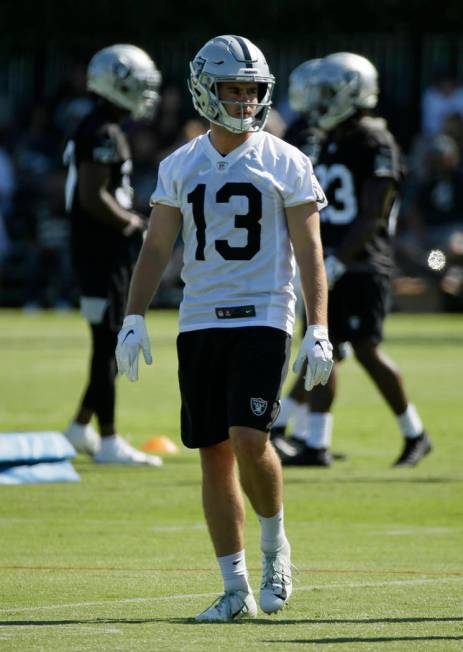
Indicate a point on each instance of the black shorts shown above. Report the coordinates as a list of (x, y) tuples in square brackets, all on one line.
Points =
[(111, 285), (357, 306), (230, 377)]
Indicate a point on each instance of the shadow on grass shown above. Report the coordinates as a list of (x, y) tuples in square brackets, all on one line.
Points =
[(378, 639), (258, 621), (330, 621), (369, 480)]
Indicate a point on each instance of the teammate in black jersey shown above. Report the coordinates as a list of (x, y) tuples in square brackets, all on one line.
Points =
[(106, 233), (359, 168)]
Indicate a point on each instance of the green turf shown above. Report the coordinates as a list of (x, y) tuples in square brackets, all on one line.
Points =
[(122, 560)]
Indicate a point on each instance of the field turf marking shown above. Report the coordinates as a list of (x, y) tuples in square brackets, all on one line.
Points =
[(194, 596)]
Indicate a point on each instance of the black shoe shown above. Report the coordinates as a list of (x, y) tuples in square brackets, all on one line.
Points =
[(309, 457), (297, 443), (414, 450), (286, 446)]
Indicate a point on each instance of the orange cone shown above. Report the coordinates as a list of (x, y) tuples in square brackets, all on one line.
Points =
[(160, 445)]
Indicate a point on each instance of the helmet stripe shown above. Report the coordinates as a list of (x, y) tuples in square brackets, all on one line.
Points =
[(246, 53)]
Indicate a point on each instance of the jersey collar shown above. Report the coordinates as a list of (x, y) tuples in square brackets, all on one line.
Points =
[(230, 159)]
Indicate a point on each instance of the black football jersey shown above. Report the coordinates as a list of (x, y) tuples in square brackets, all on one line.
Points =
[(344, 165), (97, 247), (305, 137)]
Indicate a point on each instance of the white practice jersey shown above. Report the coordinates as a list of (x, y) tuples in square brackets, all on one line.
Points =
[(238, 262)]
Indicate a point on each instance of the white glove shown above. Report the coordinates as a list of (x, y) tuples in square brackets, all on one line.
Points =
[(132, 337), (317, 349), (334, 270)]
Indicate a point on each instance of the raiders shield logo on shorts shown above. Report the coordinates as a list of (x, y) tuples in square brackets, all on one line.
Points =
[(258, 406)]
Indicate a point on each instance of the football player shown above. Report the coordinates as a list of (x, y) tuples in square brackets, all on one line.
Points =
[(106, 233), (245, 201), (303, 133), (359, 169)]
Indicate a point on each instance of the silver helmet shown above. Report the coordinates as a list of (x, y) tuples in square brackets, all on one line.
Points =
[(343, 83), (127, 77), (224, 59), (300, 85)]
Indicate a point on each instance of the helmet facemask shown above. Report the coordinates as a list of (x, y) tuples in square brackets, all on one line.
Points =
[(125, 76), (299, 90), (343, 84), (137, 91), (332, 100)]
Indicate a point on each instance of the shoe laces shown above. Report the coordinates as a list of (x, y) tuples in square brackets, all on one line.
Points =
[(277, 570), (223, 604)]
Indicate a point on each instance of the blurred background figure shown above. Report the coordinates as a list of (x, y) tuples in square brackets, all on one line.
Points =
[(51, 281), (433, 220), (359, 166), (106, 233), (7, 182), (442, 98)]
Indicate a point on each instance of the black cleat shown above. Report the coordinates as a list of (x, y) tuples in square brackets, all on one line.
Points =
[(297, 443), (286, 446), (309, 457), (414, 450)]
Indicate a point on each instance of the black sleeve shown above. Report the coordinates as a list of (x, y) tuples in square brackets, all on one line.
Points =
[(101, 144), (383, 158)]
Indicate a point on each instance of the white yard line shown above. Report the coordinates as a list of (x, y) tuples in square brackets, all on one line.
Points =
[(194, 596)]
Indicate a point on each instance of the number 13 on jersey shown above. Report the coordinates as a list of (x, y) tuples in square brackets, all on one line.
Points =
[(250, 221)]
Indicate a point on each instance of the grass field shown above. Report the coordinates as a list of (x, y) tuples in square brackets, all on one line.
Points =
[(122, 560)]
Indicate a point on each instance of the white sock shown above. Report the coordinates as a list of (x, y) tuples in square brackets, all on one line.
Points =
[(288, 406), (301, 421), (272, 530), (320, 429), (234, 571), (410, 423)]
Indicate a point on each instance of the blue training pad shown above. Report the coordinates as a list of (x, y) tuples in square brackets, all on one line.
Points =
[(42, 472), (18, 448)]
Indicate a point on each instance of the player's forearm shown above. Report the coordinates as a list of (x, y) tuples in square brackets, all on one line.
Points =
[(106, 209), (304, 231), (313, 283)]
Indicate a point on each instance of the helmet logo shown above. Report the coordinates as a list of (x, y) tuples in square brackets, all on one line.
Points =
[(199, 64), (121, 70)]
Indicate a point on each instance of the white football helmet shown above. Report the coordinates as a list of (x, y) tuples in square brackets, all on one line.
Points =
[(343, 83), (127, 77), (300, 85), (224, 59)]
